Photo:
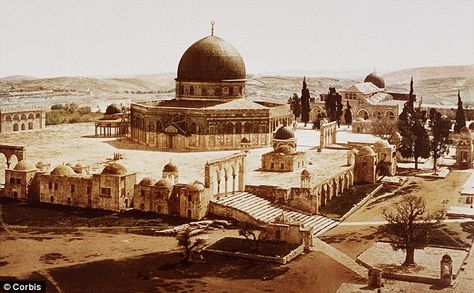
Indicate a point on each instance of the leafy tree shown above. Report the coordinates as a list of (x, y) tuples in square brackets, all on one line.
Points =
[(415, 142), (348, 114), (440, 127), (410, 226), (249, 232), (57, 107), (460, 117), (84, 110), (305, 103), (383, 129), (295, 104), (186, 243)]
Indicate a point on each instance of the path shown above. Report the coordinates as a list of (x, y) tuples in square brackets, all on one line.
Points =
[(342, 258)]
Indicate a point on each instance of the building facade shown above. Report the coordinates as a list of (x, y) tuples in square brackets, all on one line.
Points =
[(14, 119), (209, 111), (284, 157), (167, 196)]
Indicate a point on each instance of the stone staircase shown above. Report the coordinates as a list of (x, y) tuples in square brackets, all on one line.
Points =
[(265, 211)]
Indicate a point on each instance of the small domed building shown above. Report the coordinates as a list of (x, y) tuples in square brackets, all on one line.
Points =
[(169, 197), (365, 167), (111, 189), (18, 179), (115, 123), (284, 157), (210, 110)]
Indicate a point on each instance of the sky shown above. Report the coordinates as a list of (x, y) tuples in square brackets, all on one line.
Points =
[(46, 38)]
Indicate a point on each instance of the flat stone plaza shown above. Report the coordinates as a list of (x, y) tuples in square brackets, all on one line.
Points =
[(73, 143), (382, 256)]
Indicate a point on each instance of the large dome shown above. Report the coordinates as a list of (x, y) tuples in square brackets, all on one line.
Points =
[(376, 80), (211, 59)]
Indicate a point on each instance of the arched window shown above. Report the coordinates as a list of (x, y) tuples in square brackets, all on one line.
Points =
[(16, 117), (362, 113), (31, 116), (8, 118), (377, 115), (30, 125), (38, 115), (23, 127), (15, 127), (390, 115), (23, 116)]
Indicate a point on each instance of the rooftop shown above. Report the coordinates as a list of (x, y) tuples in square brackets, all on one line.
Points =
[(325, 164)]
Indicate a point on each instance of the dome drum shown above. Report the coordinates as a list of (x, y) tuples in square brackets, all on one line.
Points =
[(209, 91)]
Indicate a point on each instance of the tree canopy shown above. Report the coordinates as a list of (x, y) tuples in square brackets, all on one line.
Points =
[(410, 226), (440, 127), (305, 108), (460, 117)]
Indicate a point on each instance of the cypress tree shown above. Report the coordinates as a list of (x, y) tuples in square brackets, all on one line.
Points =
[(305, 103), (460, 118)]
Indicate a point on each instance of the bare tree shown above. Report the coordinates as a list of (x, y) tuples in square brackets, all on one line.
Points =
[(410, 226), (186, 243), (249, 232)]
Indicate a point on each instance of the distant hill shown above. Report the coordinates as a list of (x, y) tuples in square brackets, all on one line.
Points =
[(436, 85), (16, 77), (433, 72)]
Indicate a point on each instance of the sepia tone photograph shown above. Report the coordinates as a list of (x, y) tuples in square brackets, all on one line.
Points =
[(236, 146)]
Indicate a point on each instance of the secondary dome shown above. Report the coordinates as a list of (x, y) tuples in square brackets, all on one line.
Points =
[(284, 132), (63, 170), (170, 167), (147, 181), (113, 109), (25, 165), (376, 80), (165, 182), (114, 169), (211, 59)]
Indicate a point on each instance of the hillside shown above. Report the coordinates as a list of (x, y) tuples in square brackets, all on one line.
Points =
[(424, 73), (436, 85)]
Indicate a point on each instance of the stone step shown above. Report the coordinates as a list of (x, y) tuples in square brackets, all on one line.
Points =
[(266, 211)]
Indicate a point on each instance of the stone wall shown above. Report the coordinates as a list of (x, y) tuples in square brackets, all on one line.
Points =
[(232, 213), (17, 183), (62, 190)]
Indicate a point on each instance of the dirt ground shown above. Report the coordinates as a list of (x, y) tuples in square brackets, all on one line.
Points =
[(76, 252)]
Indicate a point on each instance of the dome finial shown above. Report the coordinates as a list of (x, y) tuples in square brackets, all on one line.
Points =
[(212, 27)]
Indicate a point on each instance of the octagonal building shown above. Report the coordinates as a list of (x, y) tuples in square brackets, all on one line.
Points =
[(210, 110)]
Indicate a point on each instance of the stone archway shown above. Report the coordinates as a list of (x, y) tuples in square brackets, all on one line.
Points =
[(218, 173)]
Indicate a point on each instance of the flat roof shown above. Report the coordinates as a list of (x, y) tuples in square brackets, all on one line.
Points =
[(321, 165)]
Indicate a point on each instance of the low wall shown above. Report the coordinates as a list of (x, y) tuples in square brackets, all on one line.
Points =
[(273, 259), (232, 213), (360, 203)]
